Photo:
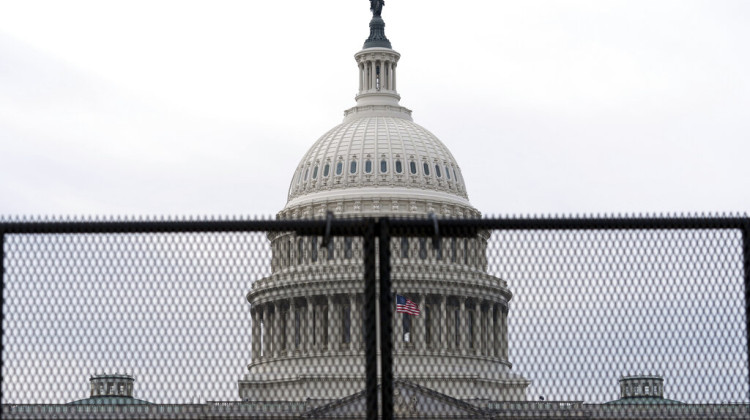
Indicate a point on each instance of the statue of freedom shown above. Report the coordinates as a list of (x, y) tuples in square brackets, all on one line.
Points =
[(377, 7)]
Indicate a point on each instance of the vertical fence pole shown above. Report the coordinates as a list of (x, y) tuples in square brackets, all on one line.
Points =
[(371, 350), (746, 256), (386, 317)]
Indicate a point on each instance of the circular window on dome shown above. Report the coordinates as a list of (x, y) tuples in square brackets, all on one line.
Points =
[(353, 167), (426, 168), (399, 167), (368, 166), (315, 173), (383, 166), (437, 171), (413, 167), (326, 169), (447, 172), (339, 168)]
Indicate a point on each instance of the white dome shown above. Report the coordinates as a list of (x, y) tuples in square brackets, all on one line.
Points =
[(385, 142)]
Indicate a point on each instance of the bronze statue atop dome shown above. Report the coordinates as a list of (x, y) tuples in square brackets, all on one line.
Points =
[(377, 7)]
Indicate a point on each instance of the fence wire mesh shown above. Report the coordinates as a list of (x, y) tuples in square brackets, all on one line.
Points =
[(477, 318)]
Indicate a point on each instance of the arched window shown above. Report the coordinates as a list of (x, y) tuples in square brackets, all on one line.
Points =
[(306, 171), (447, 173), (368, 166), (422, 248), (453, 249), (315, 172), (426, 168), (383, 166), (353, 167), (399, 168), (339, 168), (413, 167), (404, 247), (437, 171), (314, 248), (466, 251), (454, 175), (300, 250), (330, 247), (289, 252), (326, 169)]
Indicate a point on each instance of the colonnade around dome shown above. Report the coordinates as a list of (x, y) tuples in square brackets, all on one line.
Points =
[(333, 324)]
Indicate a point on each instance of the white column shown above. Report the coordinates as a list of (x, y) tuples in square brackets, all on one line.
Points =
[(361, 77), (333, 338), (373, 75), (321, 318), (255, 345), (266, 320), (290, 315), (276, 329), (394, 77), (490, 326), (356, 327), (308, 334), (418, 325), (478, 325), (497, 345), (398, 327), (441, 334), (463, 329), (504, 336)]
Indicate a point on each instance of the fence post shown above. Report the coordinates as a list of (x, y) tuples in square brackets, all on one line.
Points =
[(386, 319), (371, 351), (746, 256)]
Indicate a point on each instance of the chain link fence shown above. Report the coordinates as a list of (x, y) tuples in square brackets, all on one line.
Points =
[(366, 318)]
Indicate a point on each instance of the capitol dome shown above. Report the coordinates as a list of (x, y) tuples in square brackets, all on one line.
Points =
[(378, 161), (375, 156), (307, 315)]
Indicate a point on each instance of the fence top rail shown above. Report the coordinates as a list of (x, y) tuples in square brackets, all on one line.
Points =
[(422, 226)]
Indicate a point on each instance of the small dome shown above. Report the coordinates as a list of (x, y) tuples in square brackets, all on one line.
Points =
[(378, 151)]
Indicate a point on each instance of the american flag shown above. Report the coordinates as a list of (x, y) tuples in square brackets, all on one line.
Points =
[(405, 306)]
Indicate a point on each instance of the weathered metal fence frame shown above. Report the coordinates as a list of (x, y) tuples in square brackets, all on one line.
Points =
[(383, 229)]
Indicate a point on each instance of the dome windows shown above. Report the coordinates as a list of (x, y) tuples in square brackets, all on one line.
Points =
[(326, 170), (368, 166), (413, 167), (353, 167), (399, 167), (315, 172), (383, 166), (447, 172), (437, 171), (339, 168), (426, 167)]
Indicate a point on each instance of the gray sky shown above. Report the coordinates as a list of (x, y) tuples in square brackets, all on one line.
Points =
[(188, 107)]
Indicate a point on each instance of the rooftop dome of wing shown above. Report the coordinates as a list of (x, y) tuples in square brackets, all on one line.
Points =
[(378, 151)]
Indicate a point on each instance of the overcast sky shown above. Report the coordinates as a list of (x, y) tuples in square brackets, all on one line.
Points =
[(195, 107)]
